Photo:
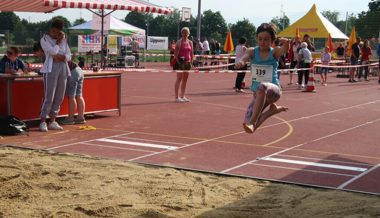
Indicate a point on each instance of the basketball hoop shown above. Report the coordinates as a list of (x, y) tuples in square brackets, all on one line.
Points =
[(186, 14)]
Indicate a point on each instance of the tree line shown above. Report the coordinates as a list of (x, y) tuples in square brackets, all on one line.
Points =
[(23, 33)]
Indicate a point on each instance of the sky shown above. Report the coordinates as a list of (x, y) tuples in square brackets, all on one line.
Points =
[(255, 11)]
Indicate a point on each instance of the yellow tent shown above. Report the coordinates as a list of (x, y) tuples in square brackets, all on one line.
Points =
[(314, 24)]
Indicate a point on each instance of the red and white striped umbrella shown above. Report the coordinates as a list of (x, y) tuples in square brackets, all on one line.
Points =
[(51, 5)]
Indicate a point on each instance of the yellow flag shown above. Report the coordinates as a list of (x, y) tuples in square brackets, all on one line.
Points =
[(351, 41)]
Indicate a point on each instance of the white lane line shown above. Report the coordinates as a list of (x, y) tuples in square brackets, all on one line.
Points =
[(304, 170), (358, 176), (117, 147), (137, 144), (149, 140), (327, 160), (67, 145), (315, 164)]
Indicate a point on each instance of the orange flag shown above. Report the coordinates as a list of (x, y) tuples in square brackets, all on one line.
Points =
[(228, 45), (298, 33), (330, 43), (351, 41)]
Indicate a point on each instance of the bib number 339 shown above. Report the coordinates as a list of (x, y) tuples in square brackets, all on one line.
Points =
[(261, 73)]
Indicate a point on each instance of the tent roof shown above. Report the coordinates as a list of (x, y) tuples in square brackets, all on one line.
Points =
[(116, 26), (314, 24), (51, 5)]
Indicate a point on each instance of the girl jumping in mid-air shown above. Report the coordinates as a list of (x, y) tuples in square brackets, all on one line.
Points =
[(265, 84)]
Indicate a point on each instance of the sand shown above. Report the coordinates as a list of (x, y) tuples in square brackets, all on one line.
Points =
[(45, 184)]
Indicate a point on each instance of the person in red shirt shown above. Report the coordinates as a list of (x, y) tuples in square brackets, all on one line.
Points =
[(366, 52)]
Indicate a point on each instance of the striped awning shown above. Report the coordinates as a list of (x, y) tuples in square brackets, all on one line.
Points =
[(51, 5)]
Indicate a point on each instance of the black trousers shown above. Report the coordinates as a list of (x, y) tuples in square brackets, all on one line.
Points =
[(239, 78), (302, 73)]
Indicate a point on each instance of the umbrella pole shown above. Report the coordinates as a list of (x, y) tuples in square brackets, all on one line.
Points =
[(102, 41)]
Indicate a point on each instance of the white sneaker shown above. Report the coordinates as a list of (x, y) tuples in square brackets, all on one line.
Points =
[(54, 126), (43, 127), (178, 100), (184, 99)]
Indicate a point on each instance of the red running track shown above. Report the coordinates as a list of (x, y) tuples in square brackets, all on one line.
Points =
[(326, 139)]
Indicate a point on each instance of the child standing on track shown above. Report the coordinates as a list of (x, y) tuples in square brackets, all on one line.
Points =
[(325, 58), (265, 84)]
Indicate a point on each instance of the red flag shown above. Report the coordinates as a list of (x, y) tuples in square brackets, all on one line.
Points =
[(330, 43)]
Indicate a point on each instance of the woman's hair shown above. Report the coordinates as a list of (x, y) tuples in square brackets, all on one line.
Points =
[(57, 23), (269, 28), (242, 40), (15, 49), (303, 45), (185, 28)]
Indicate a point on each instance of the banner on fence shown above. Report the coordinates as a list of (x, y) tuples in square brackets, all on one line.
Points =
[(157, 43), (126, 40), (88, 43)]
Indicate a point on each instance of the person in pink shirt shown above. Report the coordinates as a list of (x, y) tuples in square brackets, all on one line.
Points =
[(325, 59), (183, 55)]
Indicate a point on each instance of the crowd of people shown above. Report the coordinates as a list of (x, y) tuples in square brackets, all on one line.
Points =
[(61, 76)]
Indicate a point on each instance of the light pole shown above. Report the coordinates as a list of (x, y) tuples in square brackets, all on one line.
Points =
[(199, 20)]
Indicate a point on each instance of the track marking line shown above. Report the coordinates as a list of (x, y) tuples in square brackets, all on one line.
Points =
[(62, 146), (315, 164), (196, 143), (167, 147), (117, 147), (149, 140), (327, 160), (299, 145), (358, 177), (305, 170)]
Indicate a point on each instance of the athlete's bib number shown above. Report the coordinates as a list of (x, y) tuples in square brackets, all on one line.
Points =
[(261, 73)]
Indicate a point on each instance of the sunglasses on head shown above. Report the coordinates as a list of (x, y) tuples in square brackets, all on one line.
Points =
[(9, 53)]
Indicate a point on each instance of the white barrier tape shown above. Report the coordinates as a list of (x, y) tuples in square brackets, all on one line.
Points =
[(347, 66)]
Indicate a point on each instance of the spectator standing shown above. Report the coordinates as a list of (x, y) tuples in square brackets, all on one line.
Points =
[(172, 49), (304, 58), (206, 49), (310, 45), (325, 58), (184, 56), (135, 51), (355, 54), (10, 63), (198, 47), (294, 47), (55, 72), (340, 50), (74, 89), (366, 52), (239, 52)]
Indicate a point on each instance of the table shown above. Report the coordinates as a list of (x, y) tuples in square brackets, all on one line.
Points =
[(22, 95)]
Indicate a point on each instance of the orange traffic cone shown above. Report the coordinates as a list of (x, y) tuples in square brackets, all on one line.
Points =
[(311, 81)]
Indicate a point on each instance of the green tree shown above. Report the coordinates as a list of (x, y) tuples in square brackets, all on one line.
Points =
[(20, 33), (243, 28), (79, 21), (281, 22), (213, 22), (8, 20), (138, 19), (332, 16), (367, 24)]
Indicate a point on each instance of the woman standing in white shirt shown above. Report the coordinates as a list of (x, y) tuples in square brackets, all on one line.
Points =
[(55, 72)]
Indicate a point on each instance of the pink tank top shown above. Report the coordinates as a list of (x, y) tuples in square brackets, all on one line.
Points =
[(185, 50)]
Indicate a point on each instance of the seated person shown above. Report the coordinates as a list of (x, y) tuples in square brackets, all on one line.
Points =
[(10, 63)]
